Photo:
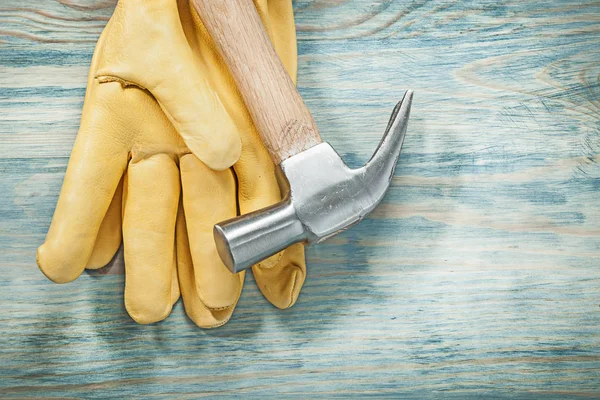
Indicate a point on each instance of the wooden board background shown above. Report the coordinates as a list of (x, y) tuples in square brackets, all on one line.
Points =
[(478, 276)]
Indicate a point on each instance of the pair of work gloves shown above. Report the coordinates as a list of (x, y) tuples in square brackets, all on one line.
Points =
[(166, 149)]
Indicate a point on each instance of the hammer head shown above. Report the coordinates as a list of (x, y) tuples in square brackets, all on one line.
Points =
[(322, 198)]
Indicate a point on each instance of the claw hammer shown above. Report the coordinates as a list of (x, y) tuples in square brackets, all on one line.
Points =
[(322, 195)]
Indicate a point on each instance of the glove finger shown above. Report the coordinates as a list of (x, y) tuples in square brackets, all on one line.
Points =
[(175, 292), (193, 304), (278, 18), (93, 174), (208, 198), (150, 212), (155, 55), (282, 282), (109, 235), (281, 276)]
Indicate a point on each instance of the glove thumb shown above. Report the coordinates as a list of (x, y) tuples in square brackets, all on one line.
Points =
[(152, 52)]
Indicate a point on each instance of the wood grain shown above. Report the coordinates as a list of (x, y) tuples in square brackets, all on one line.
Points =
[(477, 277)]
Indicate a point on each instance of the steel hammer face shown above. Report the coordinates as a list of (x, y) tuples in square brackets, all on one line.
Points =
[(323, 197)]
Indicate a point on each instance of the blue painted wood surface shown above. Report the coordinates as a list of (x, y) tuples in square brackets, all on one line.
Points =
[(478, 276)]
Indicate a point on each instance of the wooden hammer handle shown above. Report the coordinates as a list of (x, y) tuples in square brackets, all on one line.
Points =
[(281, 117)]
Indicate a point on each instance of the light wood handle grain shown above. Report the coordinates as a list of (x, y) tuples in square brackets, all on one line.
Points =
[(281, 117)]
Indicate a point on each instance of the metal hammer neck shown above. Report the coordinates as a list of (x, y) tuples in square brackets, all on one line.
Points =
[(249, 239)]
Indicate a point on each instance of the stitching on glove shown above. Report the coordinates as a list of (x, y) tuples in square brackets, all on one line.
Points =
[(292, 290), (218, 324), (124, 83), (225, 307), (273, 264)]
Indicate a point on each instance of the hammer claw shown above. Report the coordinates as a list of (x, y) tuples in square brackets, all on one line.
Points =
[(323, 197), (380, 168)]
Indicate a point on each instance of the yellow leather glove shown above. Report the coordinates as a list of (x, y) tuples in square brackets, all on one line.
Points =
[(159, 110)]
